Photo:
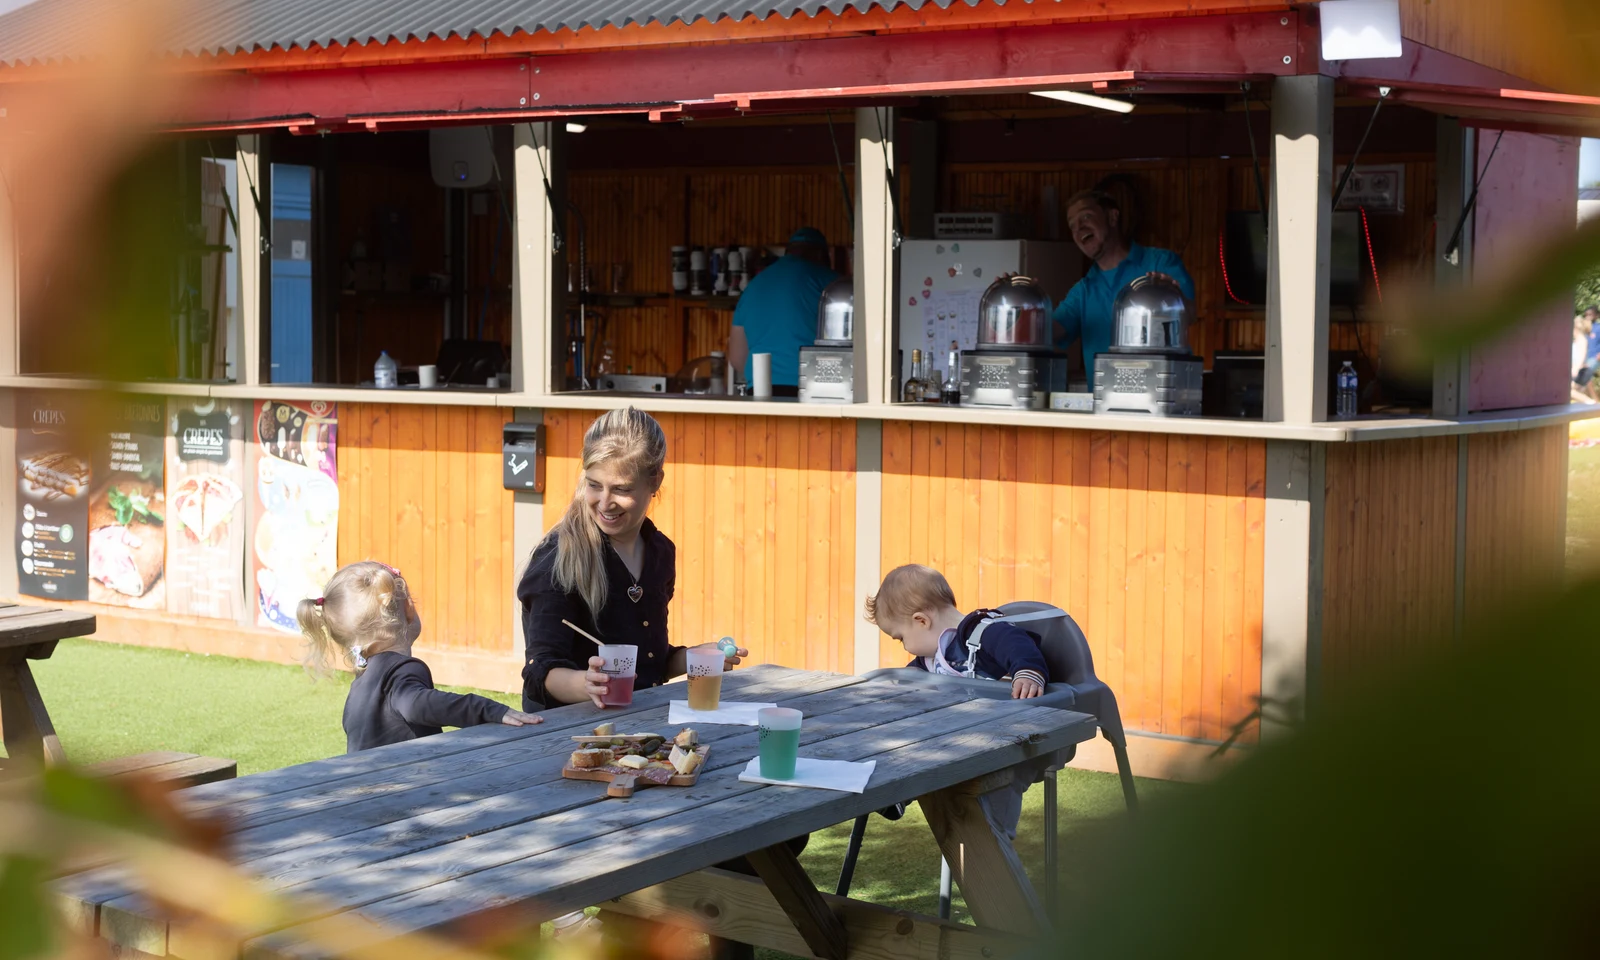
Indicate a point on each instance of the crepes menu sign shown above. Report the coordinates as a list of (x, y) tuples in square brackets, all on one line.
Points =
[(205, 508), (52, 498), (128, 508)]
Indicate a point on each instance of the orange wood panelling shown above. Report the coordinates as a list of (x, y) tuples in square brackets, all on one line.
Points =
[(762, 510), (1550, 42), (420, 488), (636, 217), (1152, 542), (1516, 520), (1389, 554)]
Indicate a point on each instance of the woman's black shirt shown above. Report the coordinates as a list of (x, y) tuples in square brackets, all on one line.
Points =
[(548, 643)]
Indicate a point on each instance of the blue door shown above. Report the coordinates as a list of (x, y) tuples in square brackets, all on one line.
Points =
[(291, 273)]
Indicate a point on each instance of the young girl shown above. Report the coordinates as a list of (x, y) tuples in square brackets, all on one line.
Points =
[(366, 614)]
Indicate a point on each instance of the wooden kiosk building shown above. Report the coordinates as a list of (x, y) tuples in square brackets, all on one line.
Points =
[(1210, 560)]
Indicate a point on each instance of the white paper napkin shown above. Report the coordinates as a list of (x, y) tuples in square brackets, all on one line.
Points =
[(850, 777), (726, 712)]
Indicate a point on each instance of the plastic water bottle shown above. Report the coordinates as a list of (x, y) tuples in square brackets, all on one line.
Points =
[(386, 373), (1348, 383)]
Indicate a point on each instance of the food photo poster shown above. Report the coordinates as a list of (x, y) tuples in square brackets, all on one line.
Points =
[(52, 497), (293, 448), (205, 508), (127, 510)]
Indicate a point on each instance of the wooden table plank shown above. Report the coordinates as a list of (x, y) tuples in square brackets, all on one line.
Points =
[(586, 862), (786, 879), (742, 909), (761, 682), (382, 857), (987, 869), (291, 846), (22, 626)]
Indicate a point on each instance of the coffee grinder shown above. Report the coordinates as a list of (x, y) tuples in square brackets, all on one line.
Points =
[(1013, 367), (1149, 369), (827, 367)]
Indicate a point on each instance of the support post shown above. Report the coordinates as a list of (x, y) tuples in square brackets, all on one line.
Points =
[(534, 310), (875, 257), (869, 537), (1291, 616), (10, 277), (250, 186), (1456, 163), (992, 879), (1300, 238)]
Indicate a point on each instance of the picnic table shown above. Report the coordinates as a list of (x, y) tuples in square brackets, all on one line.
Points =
[(31, 633), (444, 830)]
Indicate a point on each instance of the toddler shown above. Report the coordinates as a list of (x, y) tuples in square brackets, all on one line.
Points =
[(916, 606), (367, 615)]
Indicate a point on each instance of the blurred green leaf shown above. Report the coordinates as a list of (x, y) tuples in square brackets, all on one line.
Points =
[(25, 928), (1488, 309)]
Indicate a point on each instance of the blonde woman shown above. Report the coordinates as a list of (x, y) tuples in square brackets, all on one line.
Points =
[(605, 567)]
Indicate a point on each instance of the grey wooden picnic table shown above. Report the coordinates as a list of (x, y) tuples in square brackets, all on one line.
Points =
[(31, 633), (444, 830)]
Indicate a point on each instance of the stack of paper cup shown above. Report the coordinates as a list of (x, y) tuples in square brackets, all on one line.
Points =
[(428, 376), (761, 376)]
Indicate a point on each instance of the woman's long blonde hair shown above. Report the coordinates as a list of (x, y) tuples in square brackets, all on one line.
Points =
[(361, 613), (631, 439)]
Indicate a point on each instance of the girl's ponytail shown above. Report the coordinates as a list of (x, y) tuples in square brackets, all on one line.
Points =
[(320, 645)]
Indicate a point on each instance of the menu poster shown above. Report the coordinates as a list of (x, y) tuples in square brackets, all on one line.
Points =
[(205, 508), (293, 448), (52, 497), (128, 505)]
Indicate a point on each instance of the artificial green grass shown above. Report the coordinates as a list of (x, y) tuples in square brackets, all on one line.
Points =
[(112, 701), (1583, 510)]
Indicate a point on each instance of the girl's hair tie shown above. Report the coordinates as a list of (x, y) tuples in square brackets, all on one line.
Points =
[(318, 601)]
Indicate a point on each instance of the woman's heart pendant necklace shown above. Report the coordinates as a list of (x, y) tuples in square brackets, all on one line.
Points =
[(635, 592)]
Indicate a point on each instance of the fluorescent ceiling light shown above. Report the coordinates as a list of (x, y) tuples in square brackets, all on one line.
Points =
[(1086, 100), (576, 127), (1360, 29)]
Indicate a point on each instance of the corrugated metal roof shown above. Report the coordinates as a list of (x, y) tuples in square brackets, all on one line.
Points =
[(53, 30)]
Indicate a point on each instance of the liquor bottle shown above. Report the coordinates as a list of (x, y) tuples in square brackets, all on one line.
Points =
[(912, 391), (952, 383)]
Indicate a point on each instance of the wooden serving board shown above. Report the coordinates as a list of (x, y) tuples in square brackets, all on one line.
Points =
[(623, 781)]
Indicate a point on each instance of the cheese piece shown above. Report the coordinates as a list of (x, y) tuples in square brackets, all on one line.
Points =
[(605, 730), (684, 761), (633, 762)]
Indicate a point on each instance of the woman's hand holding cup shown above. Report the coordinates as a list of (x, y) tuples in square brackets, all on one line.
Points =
[(595, 680)]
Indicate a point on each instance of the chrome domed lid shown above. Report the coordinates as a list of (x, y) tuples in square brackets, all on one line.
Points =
[(1014, 312), (1151, 314), (836, 313)]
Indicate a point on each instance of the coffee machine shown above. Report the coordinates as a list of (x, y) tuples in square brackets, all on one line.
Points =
[(1149, 369), (1014, 366), (827, 367)]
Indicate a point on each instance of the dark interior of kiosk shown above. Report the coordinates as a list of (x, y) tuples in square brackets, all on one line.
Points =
[(374, 246)]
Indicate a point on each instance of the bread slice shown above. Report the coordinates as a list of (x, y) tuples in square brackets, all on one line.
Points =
[(590, 758)]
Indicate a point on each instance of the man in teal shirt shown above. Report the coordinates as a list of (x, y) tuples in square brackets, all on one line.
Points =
[(1085, 313), (777, 313)]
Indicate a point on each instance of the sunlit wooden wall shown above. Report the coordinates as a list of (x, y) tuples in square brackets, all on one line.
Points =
[(1516, 515), (419, 489), (1389, 557), (1153, 543), (762, 511)]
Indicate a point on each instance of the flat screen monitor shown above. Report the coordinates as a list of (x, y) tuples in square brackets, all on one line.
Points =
[(1245, 250)]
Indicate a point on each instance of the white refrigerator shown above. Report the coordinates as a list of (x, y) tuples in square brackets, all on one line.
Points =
[(942, 281)]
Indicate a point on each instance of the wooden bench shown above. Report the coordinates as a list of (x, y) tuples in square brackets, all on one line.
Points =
[(179, 769)]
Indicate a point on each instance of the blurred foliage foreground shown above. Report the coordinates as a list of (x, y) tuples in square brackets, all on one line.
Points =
[(1447, 808)]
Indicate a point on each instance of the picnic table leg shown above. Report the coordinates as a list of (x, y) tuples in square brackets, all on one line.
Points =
[(791, 886), (985, 864), (26, 724)]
